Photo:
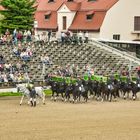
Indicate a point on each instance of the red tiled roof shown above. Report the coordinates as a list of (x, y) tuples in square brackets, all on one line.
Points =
[(73, 6), (91, 25), (46, 24), (82, 7), (51, 6), (97, 5)]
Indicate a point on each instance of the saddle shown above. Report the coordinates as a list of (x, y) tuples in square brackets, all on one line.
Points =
[(110, 87), (81, 88)]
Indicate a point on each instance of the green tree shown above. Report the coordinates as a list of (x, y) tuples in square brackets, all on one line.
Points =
[(18, 14)]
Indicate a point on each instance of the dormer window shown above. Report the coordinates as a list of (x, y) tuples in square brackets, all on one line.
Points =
[(89, 15), (91, 0), (50, 1), (47, 15), (70, 0)]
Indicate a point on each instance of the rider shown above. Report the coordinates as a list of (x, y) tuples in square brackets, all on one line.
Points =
[(31, 88)]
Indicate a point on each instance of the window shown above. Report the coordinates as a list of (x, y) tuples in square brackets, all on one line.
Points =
[(116, 37), (137, 23), (50, 1), (47, 17), (92, 0), (64, 22), (70, 0), (89, 17)]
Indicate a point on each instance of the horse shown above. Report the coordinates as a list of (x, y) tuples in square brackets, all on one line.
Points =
[(25, 92), (68, 91), (80, 89), (135, 89), (61, 89), (126, 87), (93, 87), (104, 91), (108, 90), (57, 88)]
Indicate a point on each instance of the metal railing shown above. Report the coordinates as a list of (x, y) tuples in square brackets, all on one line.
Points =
[(116, 51)]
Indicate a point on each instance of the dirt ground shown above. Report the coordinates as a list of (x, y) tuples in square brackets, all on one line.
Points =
[(65, 121)]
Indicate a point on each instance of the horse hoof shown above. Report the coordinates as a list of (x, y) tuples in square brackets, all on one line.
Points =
[(43, 103), (20, 104), (65, 100), (134, 98)]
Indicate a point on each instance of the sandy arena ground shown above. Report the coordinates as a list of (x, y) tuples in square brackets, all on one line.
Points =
[(65, 121)]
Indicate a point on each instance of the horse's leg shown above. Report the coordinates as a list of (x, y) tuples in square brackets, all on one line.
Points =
[(66, 96), (21, 99), (134, 95), (79, 96), (128, 94), (86, 96), (52, 95), (110, 99), (102, 96), (31, 101), (57, 95), (124, 97), (37, 98), (115, 95), (34, 102), (43, 98), (62, 96), (74, 97), (28, 99)]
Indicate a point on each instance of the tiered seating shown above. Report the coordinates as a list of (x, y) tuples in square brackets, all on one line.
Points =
[(102, 61)]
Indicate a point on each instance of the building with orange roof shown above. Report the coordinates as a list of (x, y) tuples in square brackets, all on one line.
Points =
[(108, 19)]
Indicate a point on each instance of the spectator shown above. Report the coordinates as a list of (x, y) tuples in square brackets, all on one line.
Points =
[(1, 59), (15, 37), (86, 37), (45, 59), (80, 37), (1, 68), (29, 36), (49, 35), (63, 35)]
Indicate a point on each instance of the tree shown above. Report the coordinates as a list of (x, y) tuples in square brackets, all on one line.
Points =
[(18, 14)]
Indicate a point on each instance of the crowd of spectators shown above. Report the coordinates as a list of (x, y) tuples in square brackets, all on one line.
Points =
[(24, 51), (22, 44), (15, 72)]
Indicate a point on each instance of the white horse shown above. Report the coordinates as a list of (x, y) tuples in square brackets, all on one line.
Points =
[(25, 92)]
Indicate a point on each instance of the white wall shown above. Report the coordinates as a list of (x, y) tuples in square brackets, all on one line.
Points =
[(120, 20), (94, 35), (64, 11)]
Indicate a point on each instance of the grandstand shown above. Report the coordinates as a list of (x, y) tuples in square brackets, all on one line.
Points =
[(103, 59)]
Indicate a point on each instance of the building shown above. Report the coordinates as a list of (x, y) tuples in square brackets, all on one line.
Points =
[(109, 19), (122, 21)]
